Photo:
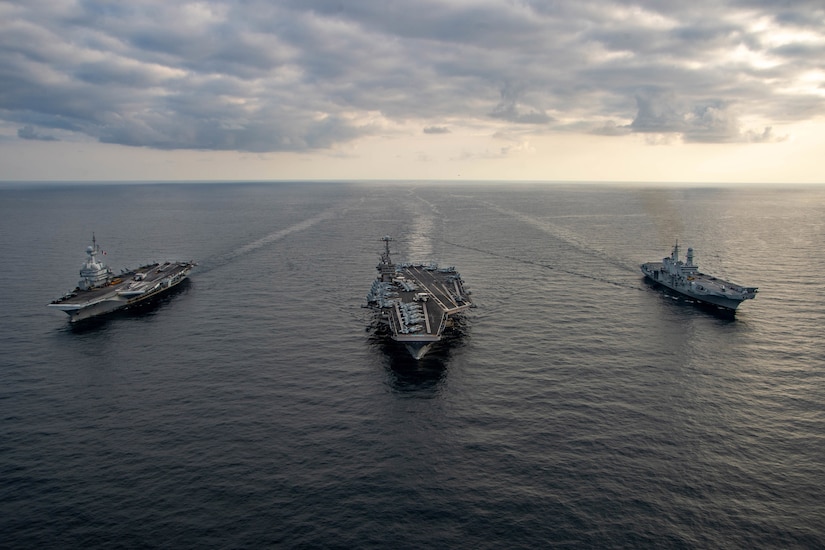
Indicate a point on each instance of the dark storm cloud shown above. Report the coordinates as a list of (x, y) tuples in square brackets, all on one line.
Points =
[(306, 75)]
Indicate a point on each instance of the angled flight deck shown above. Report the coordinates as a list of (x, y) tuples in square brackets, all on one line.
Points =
[(416, 301)]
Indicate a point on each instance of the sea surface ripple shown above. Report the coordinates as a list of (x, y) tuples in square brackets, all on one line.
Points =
[(574, 406)]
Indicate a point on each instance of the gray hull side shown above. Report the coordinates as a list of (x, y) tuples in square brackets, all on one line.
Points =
[(95, 310), (718, 301), (116, 303)]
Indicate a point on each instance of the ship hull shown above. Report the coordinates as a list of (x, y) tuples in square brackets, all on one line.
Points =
[(685, 288), (82, 313), (418, 349), (727, 305), (416, 302), (156, 281)]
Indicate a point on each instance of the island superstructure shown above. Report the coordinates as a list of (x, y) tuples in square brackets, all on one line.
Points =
[(99, 291), (686, 279), (416, 300)]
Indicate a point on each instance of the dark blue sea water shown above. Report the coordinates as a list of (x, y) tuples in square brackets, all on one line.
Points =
[(576, 406)]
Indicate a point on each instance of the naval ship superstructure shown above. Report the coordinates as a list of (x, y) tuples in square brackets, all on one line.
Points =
[(686, 279), (99, 291), (416, 300)]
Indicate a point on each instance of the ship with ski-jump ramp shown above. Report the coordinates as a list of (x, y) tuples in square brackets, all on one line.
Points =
[(100, 291), (685, 278)]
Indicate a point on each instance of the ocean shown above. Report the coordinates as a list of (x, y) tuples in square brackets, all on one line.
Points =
[(575, 406)]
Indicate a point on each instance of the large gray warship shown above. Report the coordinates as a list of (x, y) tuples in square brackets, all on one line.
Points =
[(99, 291), (686, 279), (416, 301)]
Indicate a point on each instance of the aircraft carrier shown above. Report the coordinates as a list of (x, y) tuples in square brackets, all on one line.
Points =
[(416, 301), (100, 292), (686, 279)]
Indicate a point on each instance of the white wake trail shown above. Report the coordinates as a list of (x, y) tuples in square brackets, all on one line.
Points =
[(562, 234), (280, 234), (268, 239)]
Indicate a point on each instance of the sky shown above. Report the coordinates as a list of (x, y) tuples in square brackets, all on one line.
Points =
[(721, 91)]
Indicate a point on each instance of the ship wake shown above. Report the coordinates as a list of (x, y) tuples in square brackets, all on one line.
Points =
[(510, 258), (562, 234), (209, 264)]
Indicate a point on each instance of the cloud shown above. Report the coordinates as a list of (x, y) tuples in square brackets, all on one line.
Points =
[(610, 128), (523, 147), (658, 112), (28, 132), (766, 136), (310, 75), (436, 130), (510, 107), (705, 121)]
